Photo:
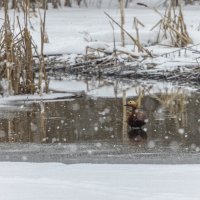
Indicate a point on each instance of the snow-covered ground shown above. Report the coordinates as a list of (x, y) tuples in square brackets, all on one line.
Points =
[(50, 181), (71, 30)]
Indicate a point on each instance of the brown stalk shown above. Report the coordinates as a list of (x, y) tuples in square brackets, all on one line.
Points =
[(132, 38)]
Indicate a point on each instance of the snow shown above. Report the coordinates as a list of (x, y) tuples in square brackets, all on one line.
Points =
[(71, 30), (68, 88), (68, 85), (35, 97), (68, 28), (50, 181), (110, 89)]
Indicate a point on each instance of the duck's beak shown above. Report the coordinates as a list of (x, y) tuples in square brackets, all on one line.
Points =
[(126, 105)]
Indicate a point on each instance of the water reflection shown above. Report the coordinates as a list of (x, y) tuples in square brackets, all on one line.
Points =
[(138, 136), (173, 121)]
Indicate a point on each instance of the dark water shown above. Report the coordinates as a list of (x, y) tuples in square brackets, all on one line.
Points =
[(89, 129)]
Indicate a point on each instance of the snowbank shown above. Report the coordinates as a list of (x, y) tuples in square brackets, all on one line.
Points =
[(50, 181)]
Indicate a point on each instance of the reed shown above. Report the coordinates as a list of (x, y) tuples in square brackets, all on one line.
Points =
[(122, 22), (42, 71), (136, 25), (17, 53), (130, 36), (174, 100), (172, 25)]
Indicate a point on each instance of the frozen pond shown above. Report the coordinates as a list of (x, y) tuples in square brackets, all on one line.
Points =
[(89, 129)]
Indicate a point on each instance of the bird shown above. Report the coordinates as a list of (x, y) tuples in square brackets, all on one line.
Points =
[(136, 118)]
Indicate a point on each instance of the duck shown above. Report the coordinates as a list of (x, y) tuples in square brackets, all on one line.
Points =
[(136, 118)]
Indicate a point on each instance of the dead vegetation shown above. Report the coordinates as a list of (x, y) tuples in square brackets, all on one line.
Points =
[(175, 103), (125, 63), (18, 55), (172, 26)]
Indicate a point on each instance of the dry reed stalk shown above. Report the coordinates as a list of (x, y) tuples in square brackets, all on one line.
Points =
[(42, 70), (136, 24), (114, 43), (140, 92), (28, 52), (16, 54), (174, 102), (129, 35), (172, 24), (122, 22), (7, 40)]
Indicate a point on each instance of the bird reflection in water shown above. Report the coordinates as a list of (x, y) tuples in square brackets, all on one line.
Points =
[(137, 135)]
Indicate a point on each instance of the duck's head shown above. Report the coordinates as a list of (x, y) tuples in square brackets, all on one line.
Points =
[(132, 104)]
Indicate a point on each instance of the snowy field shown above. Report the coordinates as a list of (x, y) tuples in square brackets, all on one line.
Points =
[(50, 181), (71, 30)]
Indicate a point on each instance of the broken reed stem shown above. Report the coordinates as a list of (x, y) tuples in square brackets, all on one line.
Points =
[(136, 23), (122, 22), (114, 43), (8, 46), (28, 52), (128, 34), (43, 41), (42, 70)]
